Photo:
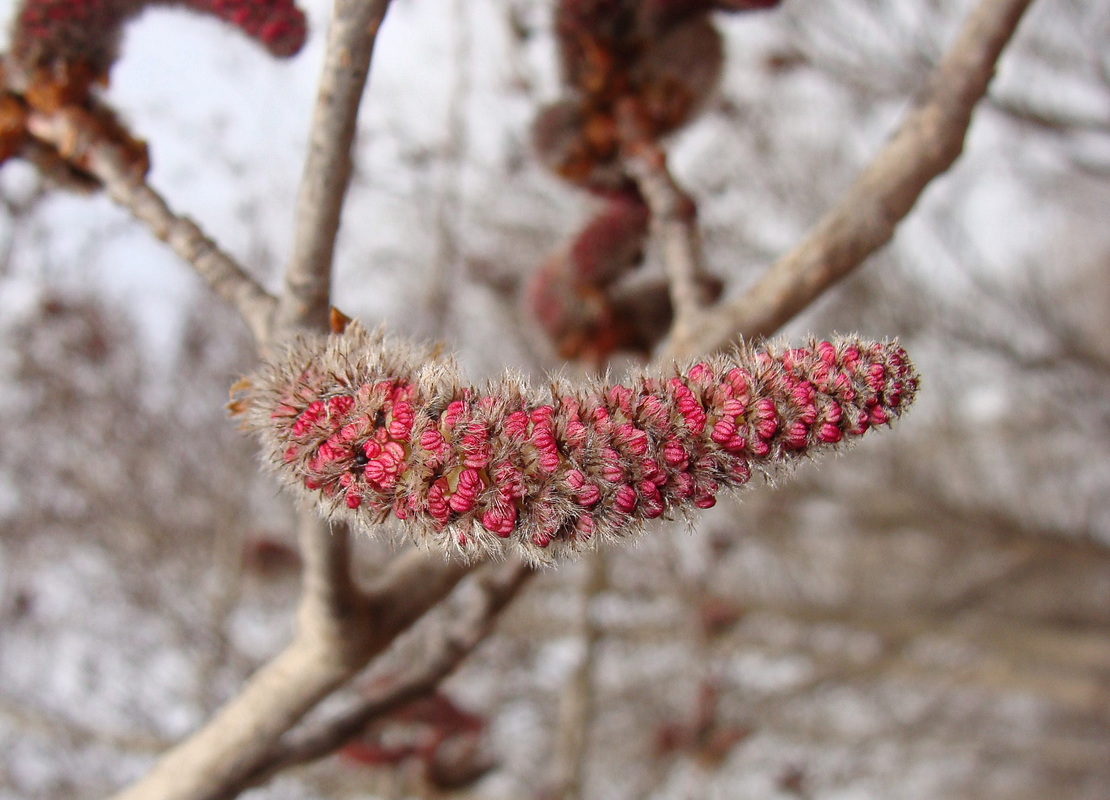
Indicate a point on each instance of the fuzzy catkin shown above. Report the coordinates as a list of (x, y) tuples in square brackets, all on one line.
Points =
[(370, 429)]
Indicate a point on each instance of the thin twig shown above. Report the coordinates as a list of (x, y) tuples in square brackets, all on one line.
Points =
[(107, 163), (443, 654), (444, 278), (328, 166), (1058, 121), (673, 220), (579, 701), (928, 142)]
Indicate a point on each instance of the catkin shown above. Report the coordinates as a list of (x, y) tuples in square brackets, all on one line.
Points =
[(371, 429)]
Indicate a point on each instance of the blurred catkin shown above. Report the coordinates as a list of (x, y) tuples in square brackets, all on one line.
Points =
[(369, 428), (633, 72), (61, 52), (54, 34)]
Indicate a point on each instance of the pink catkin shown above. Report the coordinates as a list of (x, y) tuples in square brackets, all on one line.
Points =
[(370, 429)]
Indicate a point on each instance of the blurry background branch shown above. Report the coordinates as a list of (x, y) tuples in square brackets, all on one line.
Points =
[(925, 145), (577, 706)]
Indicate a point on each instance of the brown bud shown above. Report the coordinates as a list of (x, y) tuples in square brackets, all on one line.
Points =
[(678, 73), (579, 146)]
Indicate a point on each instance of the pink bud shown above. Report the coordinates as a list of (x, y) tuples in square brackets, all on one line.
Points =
[(652, 411), (516, 425), (312, 413), (549, 462), (684, 485), (876, 377), (735, 444), (724, 430), (432, 441), (829, 433), (611, 468), (453, 412), (340, 405), (438, 507), (650, 471), (500, 521), (461, 503), (624, 499), (701, 373), (794, 436), (632, 437), (588, 496), (675, 454), (403, 417), (734, 407), (620, 396), (827, 353)]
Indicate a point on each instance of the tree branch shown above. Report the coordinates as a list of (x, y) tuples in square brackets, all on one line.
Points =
[(340, 628), (578, 705), (238, 740), (329, 595), (928, 142), (327, 170), (444, 652), (673, 220), (332, 606), (109, 164)]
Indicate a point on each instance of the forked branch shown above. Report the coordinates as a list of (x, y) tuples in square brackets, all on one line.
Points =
[(497, 586), (324, 654)]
